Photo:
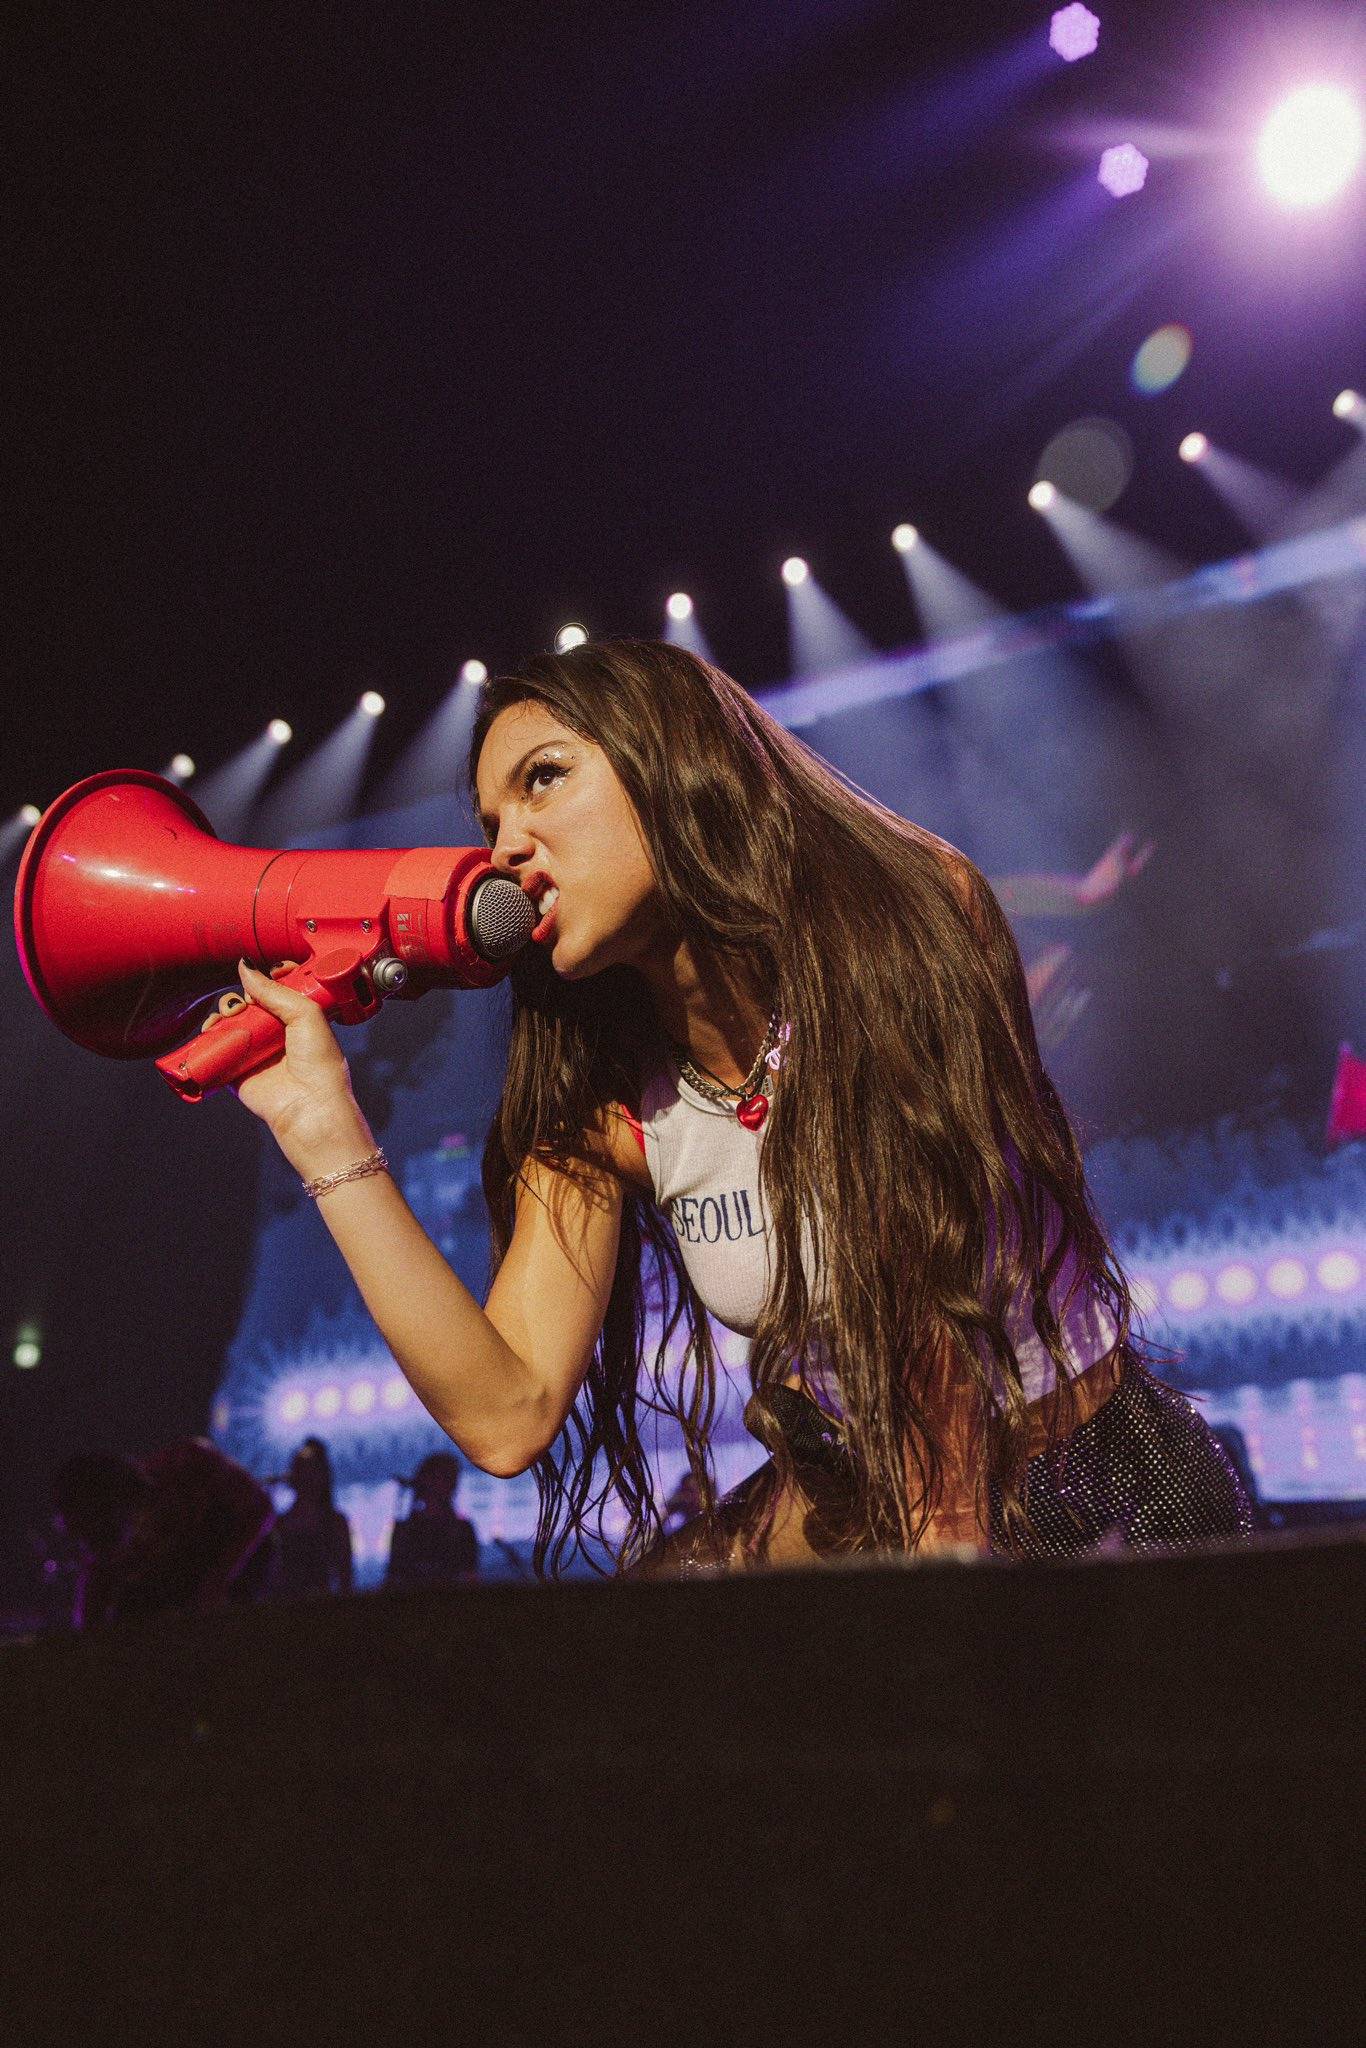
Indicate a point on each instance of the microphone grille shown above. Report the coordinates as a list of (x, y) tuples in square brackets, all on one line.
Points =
[(502, 918)]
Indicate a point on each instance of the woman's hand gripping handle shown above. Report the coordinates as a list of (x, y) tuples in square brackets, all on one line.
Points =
[(299, 1084)]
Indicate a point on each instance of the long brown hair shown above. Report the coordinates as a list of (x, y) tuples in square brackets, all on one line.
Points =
[(915, 1141)]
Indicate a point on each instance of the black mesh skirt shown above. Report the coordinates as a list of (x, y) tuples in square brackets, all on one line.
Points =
[(1145, 1473)]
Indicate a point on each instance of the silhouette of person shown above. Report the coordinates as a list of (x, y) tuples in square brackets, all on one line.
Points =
[(169, 1534), (313, 1536), (433, 1545)]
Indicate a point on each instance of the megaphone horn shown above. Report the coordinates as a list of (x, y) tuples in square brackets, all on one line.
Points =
[(130, 914)]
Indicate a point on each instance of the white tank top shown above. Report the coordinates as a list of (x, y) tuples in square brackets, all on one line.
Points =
[(705, 1168)]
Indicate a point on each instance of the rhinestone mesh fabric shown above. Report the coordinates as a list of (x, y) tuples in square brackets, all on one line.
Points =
[(1146, 1471)]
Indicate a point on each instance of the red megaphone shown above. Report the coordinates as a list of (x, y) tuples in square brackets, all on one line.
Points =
[(1347, 1109), (131, 915)]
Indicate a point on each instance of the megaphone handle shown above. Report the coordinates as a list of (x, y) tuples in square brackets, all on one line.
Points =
[(228, 1051)]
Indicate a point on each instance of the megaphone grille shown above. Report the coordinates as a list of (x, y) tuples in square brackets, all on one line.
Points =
[(502, 917)]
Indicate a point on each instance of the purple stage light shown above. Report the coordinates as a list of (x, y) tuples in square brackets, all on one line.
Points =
[(1310, 145), (1123, 170), (1074, 32)]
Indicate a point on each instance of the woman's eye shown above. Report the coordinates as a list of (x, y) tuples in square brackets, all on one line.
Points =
[(550, 769)]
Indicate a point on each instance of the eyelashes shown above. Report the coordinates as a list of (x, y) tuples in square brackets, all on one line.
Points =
[(554, 769)]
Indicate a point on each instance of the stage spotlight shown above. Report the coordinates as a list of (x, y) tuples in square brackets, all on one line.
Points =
[(474, 672), (570, 636), (795, 571), (372, 704), (28, 1347), (1310, 145), (1074, 32), (1042, 494), (29, 815), (679, 605), (1194, 448), (904, 538), (281, 731), (1349, 405), (182, 768), (1123, 170)]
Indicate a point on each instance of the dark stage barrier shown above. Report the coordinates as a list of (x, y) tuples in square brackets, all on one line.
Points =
[(1110, 1801)]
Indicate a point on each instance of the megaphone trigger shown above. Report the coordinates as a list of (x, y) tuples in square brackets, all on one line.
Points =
[(226, 1052), (249, 1037)]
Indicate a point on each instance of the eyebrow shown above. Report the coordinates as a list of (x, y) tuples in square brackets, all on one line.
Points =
[(508, 780)]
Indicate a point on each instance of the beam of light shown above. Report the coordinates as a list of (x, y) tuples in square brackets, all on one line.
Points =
[(433, 764), (1106, 557), (228, 795), (821, 637), (1123, 170), (1289, 565), (1350, 405), (570, 636), (1337, 499), (1263, 503), (1161, 359), (1042, 494), (1074, 32), (1194, 448), (945, 600), (1310, 145), (180, 768), (372, 704), (681, 627), (321, 792)]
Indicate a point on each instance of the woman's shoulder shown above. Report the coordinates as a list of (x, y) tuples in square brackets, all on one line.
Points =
[(618, 1141)]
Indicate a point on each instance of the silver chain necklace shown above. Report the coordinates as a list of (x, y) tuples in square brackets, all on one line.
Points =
[(748, 1099)]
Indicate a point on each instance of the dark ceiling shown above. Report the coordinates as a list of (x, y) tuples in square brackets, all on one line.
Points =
[(347, 342)]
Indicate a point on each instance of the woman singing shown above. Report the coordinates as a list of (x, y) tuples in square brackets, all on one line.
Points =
[(771, 1061)]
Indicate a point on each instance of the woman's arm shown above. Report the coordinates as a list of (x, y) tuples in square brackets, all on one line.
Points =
[(500, 1380)]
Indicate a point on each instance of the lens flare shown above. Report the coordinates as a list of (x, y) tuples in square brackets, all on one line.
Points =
[(795, 571), (474, 672), (1123, 170), (281, 731), (1074, 32), (1161, 359), (1309, 145), (1194, 448), (1090, 462), (1042, 494), (570, 636), (904, 538), (679, 605)]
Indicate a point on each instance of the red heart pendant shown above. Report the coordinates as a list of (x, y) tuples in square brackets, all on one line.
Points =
[(752, 1111)]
